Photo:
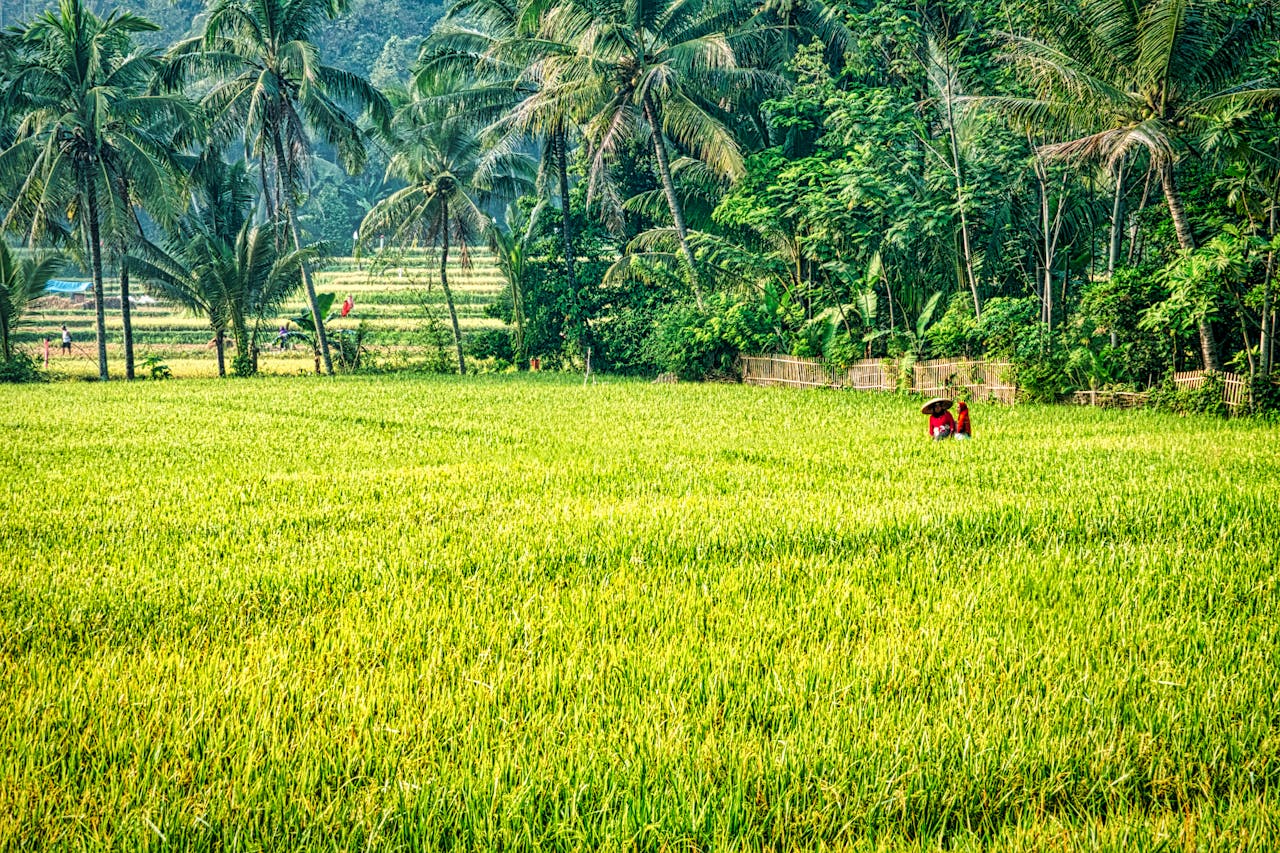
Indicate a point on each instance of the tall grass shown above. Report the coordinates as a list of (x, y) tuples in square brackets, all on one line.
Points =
[(517, 613)]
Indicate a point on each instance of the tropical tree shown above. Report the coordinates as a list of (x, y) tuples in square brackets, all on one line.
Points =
[(21, 283), (273, 93), (232, 284), (664, 70), (500, 47), (1117, 76), (88, 122), (219, 265), (452, 181), (512, 246)]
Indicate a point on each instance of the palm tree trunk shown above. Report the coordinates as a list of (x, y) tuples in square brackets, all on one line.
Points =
[(126, 315), (517, 311), (244, 358), (1117, 216), (584, 328), (322, 339), (4, 336), (1117, 234), (1268, 330), (1187, 240), (669, 187), (448, 294), (219, 343), (964, 219), (1268, 319), (562, 168), (95, 255), (1046, 297)]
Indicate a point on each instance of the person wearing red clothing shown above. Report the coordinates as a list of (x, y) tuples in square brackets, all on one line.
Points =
[(941, 425), (963, 429)]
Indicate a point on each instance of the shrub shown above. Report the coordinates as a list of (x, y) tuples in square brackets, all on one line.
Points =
[(956, 333), (1206, 399), (493, 344), (698, 343), (1265, 394), (155, 367), (20, 368)]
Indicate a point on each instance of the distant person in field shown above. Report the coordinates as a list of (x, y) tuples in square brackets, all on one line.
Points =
[(347, 305), (282, 337), (963, 429), (941, 424), (66, 340)]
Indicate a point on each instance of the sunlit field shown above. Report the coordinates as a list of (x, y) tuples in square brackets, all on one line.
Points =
[(398, 303), (517, 613)]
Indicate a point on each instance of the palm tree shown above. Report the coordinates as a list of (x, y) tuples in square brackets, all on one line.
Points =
[(497, 45), (88, 122), (452, 180), (231, 284), (665, 68), (273, 92), (512, 247), (1125, 75), (220, 265), (21, 283)]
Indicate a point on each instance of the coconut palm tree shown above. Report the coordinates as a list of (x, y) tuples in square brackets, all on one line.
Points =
[(220, 265), (87, 121), (273, 93), (664, 70), (1117, 76), (497, 46), (452, 181), (21, 283)]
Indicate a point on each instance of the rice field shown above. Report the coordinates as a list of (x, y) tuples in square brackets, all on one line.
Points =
[(396, 303), (517, 613)]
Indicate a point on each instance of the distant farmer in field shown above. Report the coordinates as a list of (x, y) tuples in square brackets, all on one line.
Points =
[(66, 340), (941, 424), (347, 305), (963, 429)]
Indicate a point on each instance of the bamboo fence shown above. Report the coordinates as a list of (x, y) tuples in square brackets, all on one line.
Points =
[(1110, 399), (787, 370), (1235, 388), (976, 380)]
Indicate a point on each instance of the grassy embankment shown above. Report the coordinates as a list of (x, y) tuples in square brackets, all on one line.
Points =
[(517, 613)]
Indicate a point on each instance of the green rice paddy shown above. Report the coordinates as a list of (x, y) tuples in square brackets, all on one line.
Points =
[(517, 613), (398, 301)]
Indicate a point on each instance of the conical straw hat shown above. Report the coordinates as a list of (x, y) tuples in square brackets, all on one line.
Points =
[(937, 404)]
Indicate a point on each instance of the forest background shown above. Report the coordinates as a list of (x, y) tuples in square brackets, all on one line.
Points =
[(1086, 188)]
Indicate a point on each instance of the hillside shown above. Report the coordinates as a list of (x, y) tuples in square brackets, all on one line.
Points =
[(355, 41)]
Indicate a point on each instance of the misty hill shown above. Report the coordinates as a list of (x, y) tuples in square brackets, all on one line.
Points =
[(374, 37)]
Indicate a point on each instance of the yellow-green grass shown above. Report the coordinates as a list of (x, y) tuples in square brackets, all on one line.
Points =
[(519, 613)]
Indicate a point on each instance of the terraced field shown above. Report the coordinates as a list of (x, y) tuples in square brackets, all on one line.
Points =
[(399, 304)]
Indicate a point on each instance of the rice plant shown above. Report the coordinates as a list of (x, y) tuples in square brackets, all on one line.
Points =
[(516, 613)]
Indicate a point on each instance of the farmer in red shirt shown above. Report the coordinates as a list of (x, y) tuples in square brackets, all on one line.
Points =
[(941, 424)]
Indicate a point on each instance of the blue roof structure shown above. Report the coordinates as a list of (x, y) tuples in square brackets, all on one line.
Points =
[(59, 286)]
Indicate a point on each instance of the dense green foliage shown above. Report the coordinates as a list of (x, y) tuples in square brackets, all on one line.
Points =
[(526, 614), (849, 180)]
